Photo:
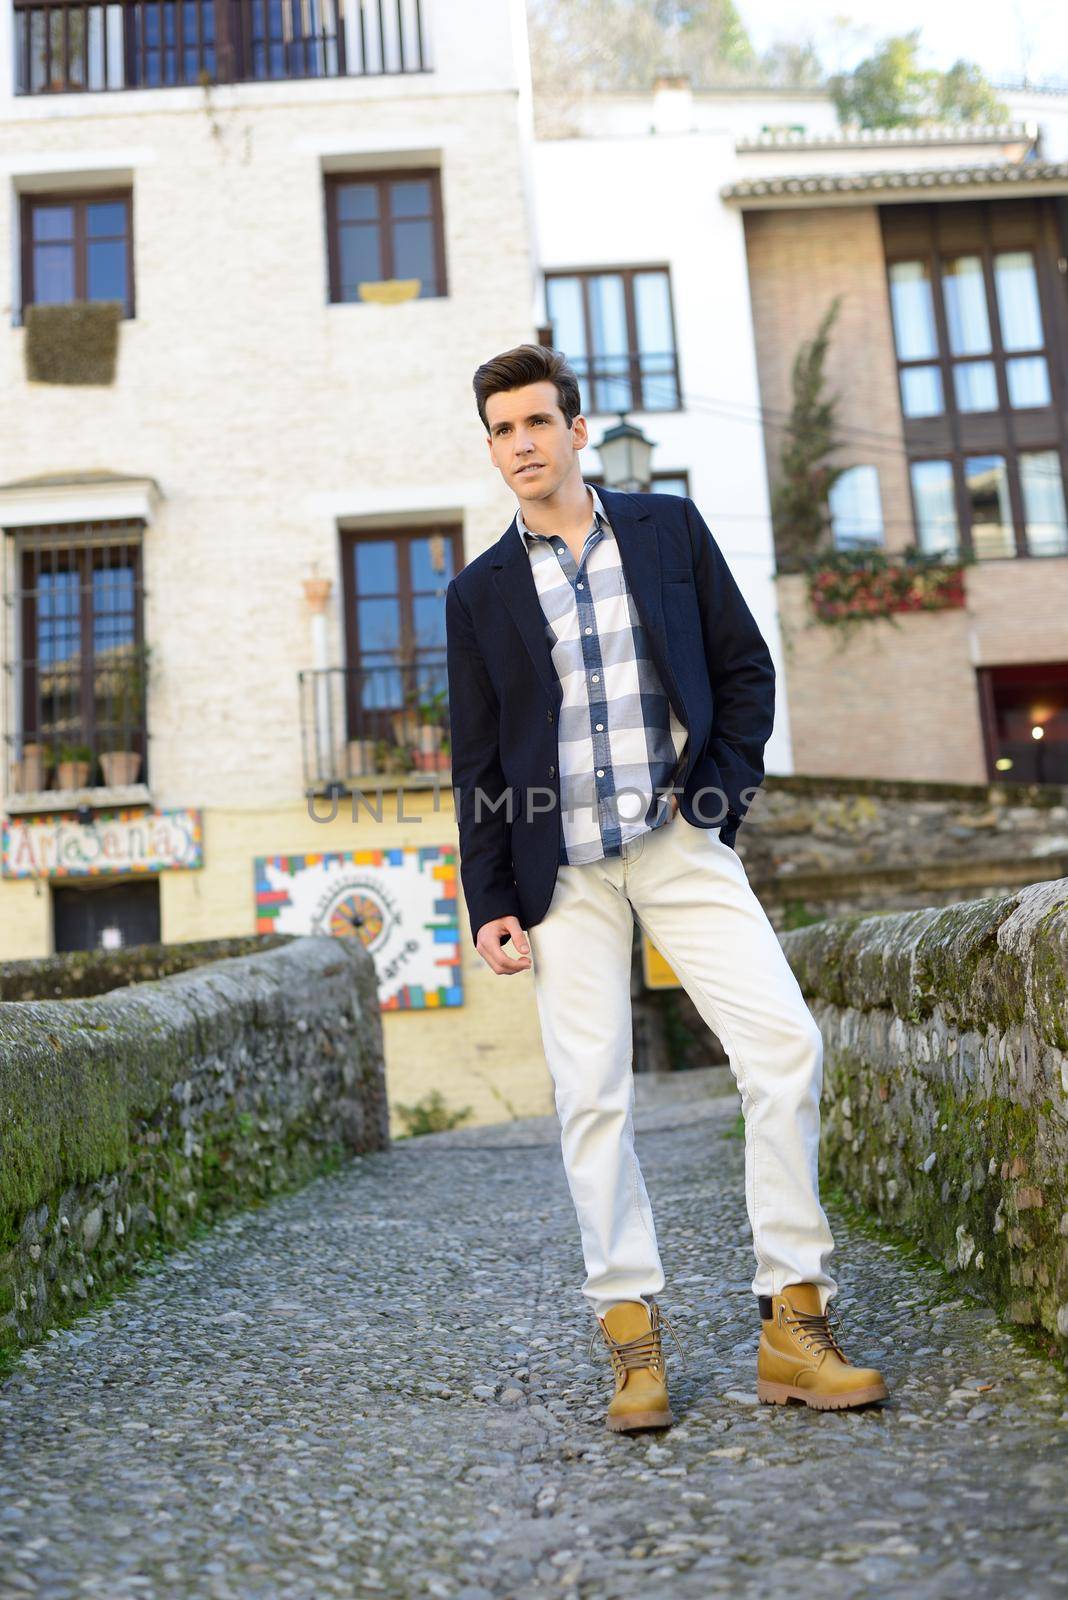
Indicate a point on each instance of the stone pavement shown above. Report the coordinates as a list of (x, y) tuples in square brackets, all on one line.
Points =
[(379, 1387)]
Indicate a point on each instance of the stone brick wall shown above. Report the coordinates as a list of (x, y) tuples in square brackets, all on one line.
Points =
[(129, 1118), (945, 1095)]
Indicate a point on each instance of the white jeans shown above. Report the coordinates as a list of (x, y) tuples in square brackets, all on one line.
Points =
[(689, 892)]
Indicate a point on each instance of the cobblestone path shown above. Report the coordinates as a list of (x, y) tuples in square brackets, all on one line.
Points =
[(379, 1386)]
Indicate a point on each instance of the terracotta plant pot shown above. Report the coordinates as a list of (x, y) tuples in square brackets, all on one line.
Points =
[(360, 755), (428, 737), (405, 727), (432, 760), (72, 774), (31, 773), (120, 767)]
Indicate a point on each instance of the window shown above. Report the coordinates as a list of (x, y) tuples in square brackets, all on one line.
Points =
[(382, 227), (1043, 500), (856, 509), (395, 617), (978, 326), (618, 331), (661, 482), (81, 666), (935, 505), (978, 295), (77, 247), (1025, 722)]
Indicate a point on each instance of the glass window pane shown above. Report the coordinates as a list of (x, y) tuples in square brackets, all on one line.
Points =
[(53, 222), (1043, 497), (965, 296), (113, 608), (361, 259), (106, 219), (1028, 380), (652, 310), (413, 254), (53, 273), (913, 311), (612, 392), (563, 298), (936, 509), (976, 386), (921, 392), (357, 202), (856, 508), (667, 484), (378, 624), (410, 198), (608, 315), (376, 566), (659, 390), (428, 619), (106, 269), (422, 554), (986, 485), (1018, 305)]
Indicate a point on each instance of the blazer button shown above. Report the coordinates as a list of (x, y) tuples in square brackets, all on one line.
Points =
[(550, 716), (552, 772)]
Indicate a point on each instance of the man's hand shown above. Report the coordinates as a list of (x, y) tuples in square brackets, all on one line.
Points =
[(673, 805), (490, 948)]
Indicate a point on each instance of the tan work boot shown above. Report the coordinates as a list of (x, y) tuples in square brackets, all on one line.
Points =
[(631, 1331), (799, 1358)]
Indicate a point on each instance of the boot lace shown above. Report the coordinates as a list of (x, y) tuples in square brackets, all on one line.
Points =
[(816, 1327), (644, 1350)]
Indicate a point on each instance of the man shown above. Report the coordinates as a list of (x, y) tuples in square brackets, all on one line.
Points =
[(610, 698)]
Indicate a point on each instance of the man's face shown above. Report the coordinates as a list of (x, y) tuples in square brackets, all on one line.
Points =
[(530, 442)]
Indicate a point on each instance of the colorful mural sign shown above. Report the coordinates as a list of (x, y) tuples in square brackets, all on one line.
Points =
[(134, 839), (401, 902), (657, 972)]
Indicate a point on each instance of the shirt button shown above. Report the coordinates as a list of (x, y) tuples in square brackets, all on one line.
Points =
[(582, 586), (552, 772), (600, 727), (589, 630), (600, 772), (597, 677)]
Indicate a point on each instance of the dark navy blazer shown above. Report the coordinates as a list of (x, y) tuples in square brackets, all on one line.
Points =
[(504, 696)]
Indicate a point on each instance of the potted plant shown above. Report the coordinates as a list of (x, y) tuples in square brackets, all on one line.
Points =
[(120, 763), (430, 733), (392, 757), (406, 723), (30, 772), (74, 762)]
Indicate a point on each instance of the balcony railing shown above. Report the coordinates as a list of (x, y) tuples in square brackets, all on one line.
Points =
[(69, 741), (68, 46), (359, 723)]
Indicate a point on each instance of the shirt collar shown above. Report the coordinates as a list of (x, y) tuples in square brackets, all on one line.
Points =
[(598, 513)]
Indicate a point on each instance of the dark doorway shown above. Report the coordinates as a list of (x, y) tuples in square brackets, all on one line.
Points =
[(106, 916), (1025, 722)]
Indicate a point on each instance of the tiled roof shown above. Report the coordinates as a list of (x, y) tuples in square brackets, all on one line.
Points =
[(954, 133), (815, 185)]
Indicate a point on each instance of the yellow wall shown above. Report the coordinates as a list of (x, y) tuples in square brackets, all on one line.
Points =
[(485, 1053)]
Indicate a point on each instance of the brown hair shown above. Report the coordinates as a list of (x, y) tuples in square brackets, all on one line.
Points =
[(528, 363)]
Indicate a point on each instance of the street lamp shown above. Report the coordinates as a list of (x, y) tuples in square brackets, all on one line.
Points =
[(626, 457)]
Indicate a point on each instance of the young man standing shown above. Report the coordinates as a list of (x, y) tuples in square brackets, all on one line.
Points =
[(610, 698)]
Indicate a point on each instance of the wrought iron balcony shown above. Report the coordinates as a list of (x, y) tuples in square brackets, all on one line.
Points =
[(74, 46), (360, 723), (84, 723)]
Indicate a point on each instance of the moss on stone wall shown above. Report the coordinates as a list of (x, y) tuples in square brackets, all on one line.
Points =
[(129, 1117)]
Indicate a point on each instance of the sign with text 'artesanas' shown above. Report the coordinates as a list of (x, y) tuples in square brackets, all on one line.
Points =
[(134, 839)]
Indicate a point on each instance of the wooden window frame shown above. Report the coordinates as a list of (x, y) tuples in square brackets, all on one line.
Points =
[(82, 548), (79, 200), (383, 178), (933, 233), (627, 273), (452, 532)]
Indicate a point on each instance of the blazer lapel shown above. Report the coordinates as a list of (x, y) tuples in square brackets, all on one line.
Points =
[(514, 582)]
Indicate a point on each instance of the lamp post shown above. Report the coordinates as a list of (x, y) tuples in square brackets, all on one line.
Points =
[(626, 457)]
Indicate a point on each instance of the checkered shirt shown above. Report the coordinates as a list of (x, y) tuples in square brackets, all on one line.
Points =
[(619, 738)]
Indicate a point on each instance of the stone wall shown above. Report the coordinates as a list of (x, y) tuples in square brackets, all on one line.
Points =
[(816, 847), (128, 1118), (945, 1097)]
